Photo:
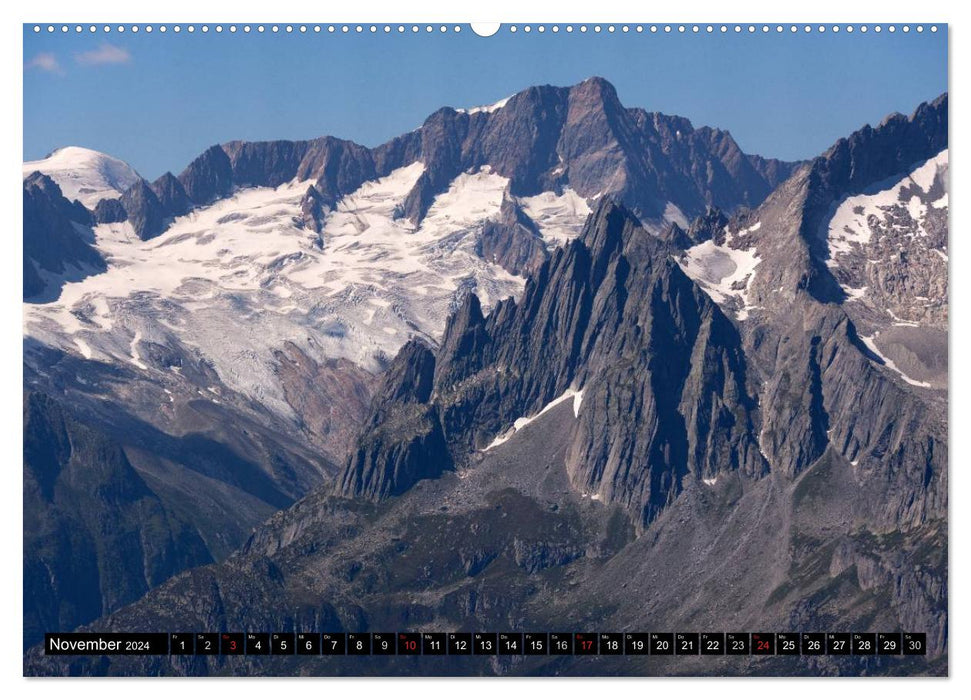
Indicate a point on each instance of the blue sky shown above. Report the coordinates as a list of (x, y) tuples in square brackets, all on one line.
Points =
[(158, 100)]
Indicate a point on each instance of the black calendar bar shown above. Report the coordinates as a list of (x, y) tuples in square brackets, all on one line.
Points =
[(471, 644)]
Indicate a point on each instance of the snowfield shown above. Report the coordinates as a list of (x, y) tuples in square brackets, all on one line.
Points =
[(559, 217), (85, 175), (723, 272), (495, 107), (231, 283), (869, 236), (851, 226), (870, 342)]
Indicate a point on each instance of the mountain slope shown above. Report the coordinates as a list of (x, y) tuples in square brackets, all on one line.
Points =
[(679, 522), (714, 372), (88, 518), (516, 182), (825, 381), (605, 318), (311, 246), (57, 240)]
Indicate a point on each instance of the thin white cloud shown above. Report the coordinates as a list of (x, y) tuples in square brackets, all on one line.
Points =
[(103, 55), (46, 62)]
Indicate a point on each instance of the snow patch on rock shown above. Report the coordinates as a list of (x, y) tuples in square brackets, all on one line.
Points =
[(494, 107), (723, 272), (559, 217), (870, 342), (673, 214), (850, 226), (521, 423)]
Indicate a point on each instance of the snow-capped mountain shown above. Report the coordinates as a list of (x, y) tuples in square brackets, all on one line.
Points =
[(872, 228), (345, 253), (317, 317), (85, 175), (683, 427), (222, 328), (244, 267)]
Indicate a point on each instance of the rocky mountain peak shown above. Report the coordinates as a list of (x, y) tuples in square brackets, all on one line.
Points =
[(144, 210), (595, 96), (620, 414), (463, 343), (605, 314), (39, 181), (607, 230), (409, 379), (402, 442), (171, 195), (37, 184), (870, 155), (55, 241), (708, 226), (208, 177)]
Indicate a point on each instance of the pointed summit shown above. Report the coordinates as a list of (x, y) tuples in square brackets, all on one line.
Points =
[(144, 210), (208, 177), (171, 195), (403, 441), (596, 93)]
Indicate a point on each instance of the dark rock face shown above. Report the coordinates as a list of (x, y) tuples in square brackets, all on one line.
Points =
[(145, 212), (867, 157), (332, 398), (707, 226), (464, 344), (399, 151), (546, 138), (88, 517), (509, 544), (110, 211), (512, 241), (267, 163), (698, 444), (312, 209), (873, 154), (613, 315), (208, 177), (338, 167), (148, 207), (171, 195), (822, 388), (56, 237), (403, 441)]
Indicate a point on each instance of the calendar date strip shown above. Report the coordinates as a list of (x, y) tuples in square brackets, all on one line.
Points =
[(489, 644)]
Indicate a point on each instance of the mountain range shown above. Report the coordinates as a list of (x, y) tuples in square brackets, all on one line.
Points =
[(549, 362)]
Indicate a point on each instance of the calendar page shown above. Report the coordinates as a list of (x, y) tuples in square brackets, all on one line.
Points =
[(485, 350)]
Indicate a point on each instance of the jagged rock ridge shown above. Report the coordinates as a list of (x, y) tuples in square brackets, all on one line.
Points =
[(774, 436), (660, 368)]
